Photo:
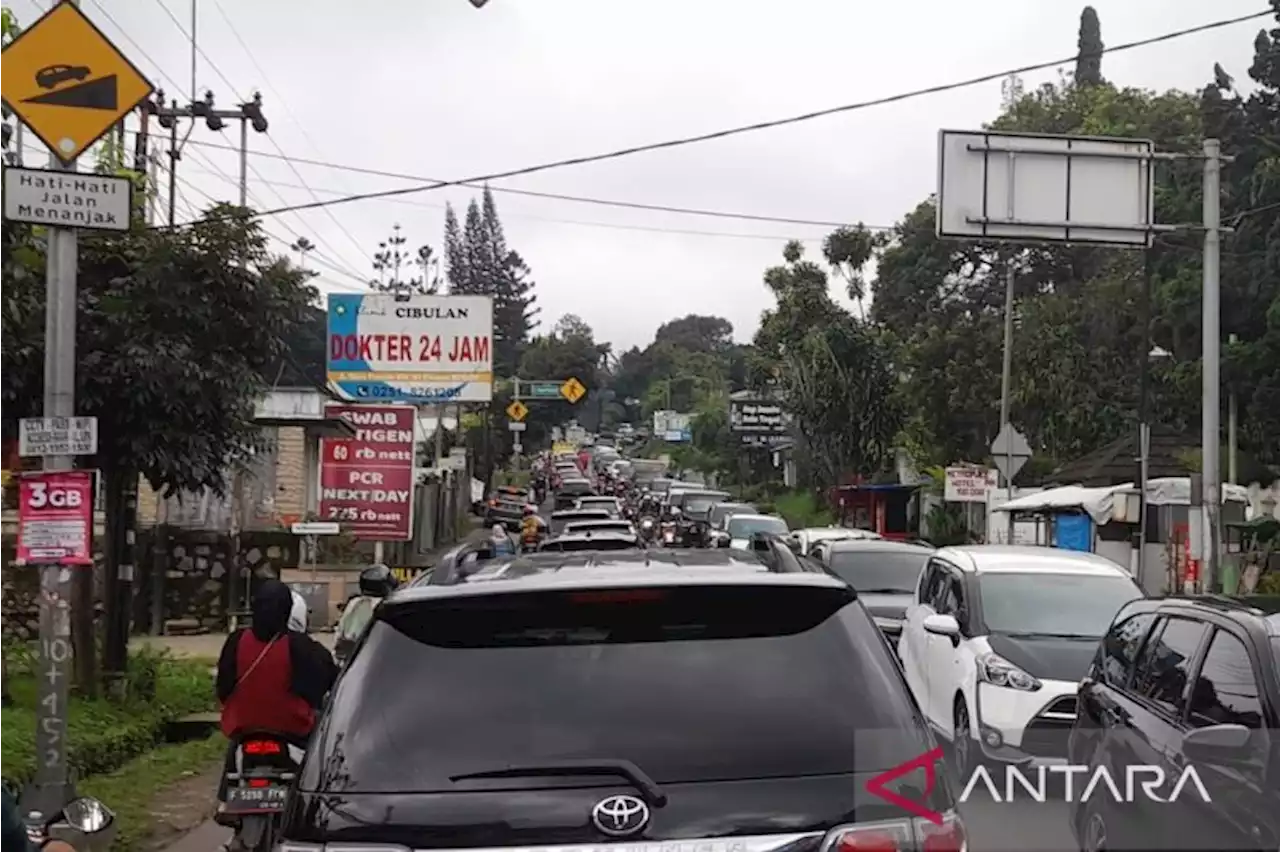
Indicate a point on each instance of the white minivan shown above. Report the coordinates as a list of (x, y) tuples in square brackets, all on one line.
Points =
[(996, 641)]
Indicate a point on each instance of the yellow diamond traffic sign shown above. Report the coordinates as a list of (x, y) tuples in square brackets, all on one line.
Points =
[(68, 82), (572, 390), (517, 411)]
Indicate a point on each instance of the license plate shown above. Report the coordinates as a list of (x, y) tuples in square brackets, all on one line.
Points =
[(256, 798)]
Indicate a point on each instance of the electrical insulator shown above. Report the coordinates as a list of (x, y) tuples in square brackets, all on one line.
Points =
[(253, 111)]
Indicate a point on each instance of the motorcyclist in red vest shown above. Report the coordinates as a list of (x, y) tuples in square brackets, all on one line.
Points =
[(270, 677)]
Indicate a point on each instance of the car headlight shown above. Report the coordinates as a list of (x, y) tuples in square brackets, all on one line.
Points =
[(997, 671)]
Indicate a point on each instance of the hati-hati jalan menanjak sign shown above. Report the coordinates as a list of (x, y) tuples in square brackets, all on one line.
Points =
[(420, 349)]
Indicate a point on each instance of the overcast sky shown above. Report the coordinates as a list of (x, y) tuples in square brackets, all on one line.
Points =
[(438, 89)]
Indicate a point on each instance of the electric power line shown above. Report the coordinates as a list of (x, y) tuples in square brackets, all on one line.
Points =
[(235, 89), (209, 161), (606, 225), (554, 196), (764, 125)]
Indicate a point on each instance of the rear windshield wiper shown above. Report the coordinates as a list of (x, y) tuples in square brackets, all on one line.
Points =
[(567, 768)]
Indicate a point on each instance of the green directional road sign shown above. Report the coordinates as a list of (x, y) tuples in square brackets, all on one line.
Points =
[(540, 390)]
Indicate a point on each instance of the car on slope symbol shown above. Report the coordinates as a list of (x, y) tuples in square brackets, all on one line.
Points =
[(54, 75)]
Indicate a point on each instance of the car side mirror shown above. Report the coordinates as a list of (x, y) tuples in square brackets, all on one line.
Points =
[(1217, 743), (942, 625)]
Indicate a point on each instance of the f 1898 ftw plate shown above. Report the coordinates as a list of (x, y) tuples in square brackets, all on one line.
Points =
[(256, 798)]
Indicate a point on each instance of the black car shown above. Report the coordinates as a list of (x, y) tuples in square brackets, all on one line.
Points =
[(505, 510), (1185, 685), (885, 573), (710, 700)]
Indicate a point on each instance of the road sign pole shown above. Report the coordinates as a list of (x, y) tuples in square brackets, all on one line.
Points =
[(52, 783), (1006, 367)]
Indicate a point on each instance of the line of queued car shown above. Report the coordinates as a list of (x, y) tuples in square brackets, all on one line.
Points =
[(746, 697)]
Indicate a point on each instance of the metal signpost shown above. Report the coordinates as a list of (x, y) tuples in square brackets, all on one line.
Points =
[(1036, 188), (69, 85)]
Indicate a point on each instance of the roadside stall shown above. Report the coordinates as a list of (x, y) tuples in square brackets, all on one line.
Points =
[(1104, 520)]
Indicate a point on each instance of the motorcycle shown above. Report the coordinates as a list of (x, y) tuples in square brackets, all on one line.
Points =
[(85, 823), (648, 529), (669, 533), (259, 773)]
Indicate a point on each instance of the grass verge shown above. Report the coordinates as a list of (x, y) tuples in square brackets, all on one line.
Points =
[(133, 789), (103, 735)]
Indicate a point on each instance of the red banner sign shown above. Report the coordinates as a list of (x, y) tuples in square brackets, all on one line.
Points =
[(366, 482), (55, 518)]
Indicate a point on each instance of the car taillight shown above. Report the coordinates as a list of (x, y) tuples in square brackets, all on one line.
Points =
[(261, 747), (947, 837), (905, 835)]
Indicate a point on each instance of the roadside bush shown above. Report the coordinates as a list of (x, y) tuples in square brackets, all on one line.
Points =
[(103, 735), (801, 510)]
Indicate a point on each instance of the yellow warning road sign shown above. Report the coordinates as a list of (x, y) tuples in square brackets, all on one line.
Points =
[(517, 410), (572, 389), (67, 82)]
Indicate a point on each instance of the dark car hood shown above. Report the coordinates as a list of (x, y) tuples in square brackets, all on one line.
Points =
[(1046, 657), (887, 605)]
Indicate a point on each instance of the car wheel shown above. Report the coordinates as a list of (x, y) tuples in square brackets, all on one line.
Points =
[(963, 745)]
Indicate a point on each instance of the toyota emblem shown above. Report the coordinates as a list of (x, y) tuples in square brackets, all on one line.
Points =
[(620, 816)]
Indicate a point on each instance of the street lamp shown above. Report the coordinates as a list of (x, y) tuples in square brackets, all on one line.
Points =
[(1154, 354)]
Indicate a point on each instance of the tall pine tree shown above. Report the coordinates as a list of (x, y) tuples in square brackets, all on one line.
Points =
[(1089, 58), (481, 263), (512, 290)]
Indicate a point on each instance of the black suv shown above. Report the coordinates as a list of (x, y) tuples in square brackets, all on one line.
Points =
[(1191, 686), (726, 701)]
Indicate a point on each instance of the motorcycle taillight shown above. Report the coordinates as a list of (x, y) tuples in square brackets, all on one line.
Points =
[(261, 748)]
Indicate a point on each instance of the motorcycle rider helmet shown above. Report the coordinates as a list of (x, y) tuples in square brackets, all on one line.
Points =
[(377, 581)]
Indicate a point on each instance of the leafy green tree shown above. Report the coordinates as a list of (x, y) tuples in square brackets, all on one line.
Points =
[(1078, 331), (176, 331), (833, 370)]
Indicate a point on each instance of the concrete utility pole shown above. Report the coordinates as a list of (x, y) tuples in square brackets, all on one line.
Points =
[(53, 787), (249, 114), (1210, 361)]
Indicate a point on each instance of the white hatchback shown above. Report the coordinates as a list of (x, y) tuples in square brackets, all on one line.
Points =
[(996, 641)]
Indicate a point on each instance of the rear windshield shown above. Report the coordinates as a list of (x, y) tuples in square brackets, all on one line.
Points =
[(878, 571), (597, 526), (675, 681), (746, 527), (567, 545), (699, 504)]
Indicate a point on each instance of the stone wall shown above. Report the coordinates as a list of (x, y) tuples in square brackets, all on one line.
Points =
[(19, 608), (201, 589)]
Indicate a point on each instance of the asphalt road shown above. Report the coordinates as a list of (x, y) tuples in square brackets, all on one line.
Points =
[(1017, 826)]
